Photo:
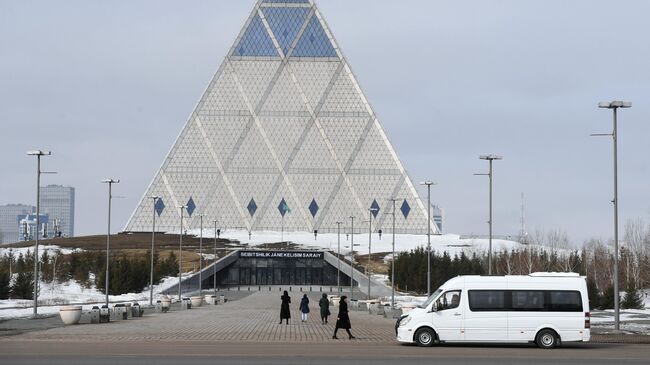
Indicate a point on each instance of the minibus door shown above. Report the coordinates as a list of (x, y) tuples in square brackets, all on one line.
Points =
[(448, 316)]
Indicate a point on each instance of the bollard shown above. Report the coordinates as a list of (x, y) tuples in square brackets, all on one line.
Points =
[(269, 288), (289, 288), (310, 289), (301, 289), (259, 288), (104, 314), (222, 298), (158, 307), (94, 315)]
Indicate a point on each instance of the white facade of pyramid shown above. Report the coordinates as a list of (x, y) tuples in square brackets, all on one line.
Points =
[(283, 127)]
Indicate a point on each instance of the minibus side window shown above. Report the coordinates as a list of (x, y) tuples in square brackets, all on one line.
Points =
[(565, 301), (528, 300), (487, 300), (448, 300)]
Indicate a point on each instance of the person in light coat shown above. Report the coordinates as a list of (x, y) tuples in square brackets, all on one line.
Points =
[(304, 308)]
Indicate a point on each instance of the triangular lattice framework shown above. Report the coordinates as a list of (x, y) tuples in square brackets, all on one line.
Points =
[(283, 119)]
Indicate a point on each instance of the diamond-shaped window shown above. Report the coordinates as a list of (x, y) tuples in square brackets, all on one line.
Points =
[(190, 206), (406, 209), (313, 207), (159, 206), (252, 207), (374, 208), (283, 207)]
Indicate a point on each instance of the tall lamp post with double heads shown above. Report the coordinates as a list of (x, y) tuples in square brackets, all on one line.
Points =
[(38, 155), (490, 158), (352, 257), (110, 183), (428, 184), (338, 246), (392, 261), (153, 245), (214, 260), (615, 105), (371, 212), (180, 256)]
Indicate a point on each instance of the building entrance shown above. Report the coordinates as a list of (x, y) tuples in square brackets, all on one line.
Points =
[(280, 268)]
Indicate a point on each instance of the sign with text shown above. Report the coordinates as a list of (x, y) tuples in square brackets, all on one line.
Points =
[(281, 254)]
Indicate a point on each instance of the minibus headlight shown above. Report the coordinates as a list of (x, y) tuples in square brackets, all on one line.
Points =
[(404, 321)]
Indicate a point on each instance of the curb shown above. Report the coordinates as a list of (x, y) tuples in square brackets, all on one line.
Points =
[(631, 339)]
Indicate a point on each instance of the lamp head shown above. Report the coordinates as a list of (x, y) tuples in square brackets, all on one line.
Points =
[(39, 153), (111, 181), (490, 157), (614, 104)]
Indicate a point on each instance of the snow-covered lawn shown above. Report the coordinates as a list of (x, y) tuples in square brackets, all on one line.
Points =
[(51, 250), (54, 295)]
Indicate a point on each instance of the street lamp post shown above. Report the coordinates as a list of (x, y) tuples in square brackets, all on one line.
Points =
[(180, 256), (392, 261), (153, 247), (338, 245), (38, 155), (370, 211), (110, 183), (352, 257), (615, 105), (490, 158), (428, 184), (214, 261), (201, 254)]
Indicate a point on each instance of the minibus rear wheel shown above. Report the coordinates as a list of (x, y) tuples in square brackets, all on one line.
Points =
[(547, 339), (425, 337)]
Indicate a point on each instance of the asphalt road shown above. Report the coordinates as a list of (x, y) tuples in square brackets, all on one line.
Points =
[(345, 352)]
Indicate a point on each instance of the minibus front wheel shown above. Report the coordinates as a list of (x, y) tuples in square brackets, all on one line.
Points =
[(425, 337), (547, 339)]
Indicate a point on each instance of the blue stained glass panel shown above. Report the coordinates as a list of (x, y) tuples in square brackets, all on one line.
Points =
[(252, 207), (159, 206), (256, 41), (283, 207), (285, 23), (375, 208), (313, 208), (190, 206), (406, 209), (314, 42)]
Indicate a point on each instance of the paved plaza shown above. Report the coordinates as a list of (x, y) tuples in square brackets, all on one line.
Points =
[(252, 318)]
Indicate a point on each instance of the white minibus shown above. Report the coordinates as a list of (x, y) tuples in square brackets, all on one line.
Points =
[(542, 308)]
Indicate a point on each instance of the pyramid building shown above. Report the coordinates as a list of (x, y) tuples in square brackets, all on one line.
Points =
[(283, 138)]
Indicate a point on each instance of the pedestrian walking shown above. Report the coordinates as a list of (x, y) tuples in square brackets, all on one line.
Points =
[(343, 320), (285, 312), (304, 308), (324, 305)]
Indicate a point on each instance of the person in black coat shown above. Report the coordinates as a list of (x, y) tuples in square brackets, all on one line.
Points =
[(343, 320), (285, 312), (324, 305)]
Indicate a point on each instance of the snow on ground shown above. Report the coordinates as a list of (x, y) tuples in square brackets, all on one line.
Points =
[(54, 295), (51, 249), (452, 243)]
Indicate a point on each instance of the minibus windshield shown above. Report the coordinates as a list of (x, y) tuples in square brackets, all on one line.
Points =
[(430, 299)]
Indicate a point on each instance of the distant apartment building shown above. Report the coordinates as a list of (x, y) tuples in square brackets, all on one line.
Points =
[(57, 202), (9, 221)]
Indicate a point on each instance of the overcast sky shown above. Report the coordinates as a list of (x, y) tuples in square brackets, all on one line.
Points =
[(107, 86)]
